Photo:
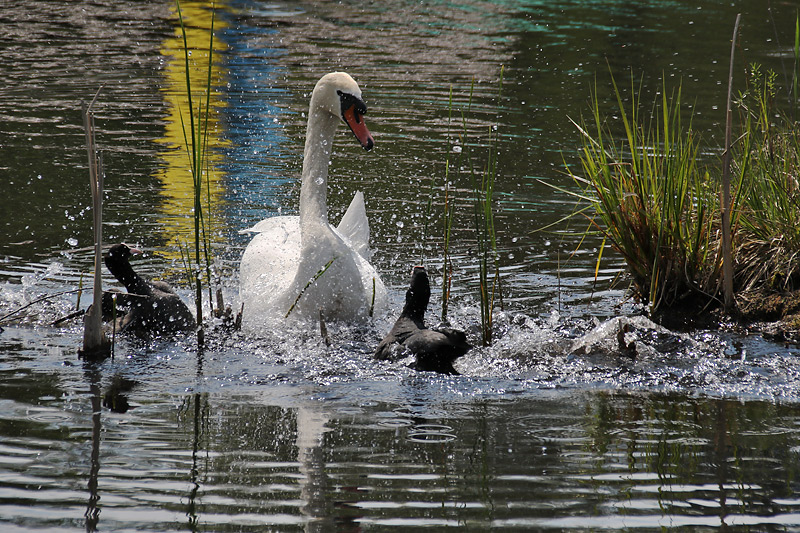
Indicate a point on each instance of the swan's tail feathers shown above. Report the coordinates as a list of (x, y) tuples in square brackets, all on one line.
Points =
[(355, 226)]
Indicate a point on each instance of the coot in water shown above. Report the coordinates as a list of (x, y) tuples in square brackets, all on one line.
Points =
[(435, 349), (151, 308)]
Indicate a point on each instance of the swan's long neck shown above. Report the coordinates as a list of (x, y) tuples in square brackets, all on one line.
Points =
[(316, 158)]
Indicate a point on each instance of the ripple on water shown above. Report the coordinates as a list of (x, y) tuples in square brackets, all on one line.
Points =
[(431, 433)]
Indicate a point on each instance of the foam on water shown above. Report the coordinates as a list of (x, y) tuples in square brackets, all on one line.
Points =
[(529, 353)]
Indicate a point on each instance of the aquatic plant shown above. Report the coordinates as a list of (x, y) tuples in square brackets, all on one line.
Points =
[(95, 342), (768, 255), (196, 143), (462, 157), (725, 192), (652, 200), (769, 258), (311, 281), (483, 216), (657, 207), (448, 208), (448, 203)]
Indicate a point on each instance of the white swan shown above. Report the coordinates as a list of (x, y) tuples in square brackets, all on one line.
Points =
[(289, 251)]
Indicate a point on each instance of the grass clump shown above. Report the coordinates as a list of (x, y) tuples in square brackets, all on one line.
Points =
[(768, 255), (659, 206), (652, 198)]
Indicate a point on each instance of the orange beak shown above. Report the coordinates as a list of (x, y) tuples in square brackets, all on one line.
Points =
[(359, 128)]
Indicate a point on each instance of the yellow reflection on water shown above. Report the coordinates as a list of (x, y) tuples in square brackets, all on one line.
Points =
[(177, 212)]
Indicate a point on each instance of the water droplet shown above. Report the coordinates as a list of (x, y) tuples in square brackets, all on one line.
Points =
[(72, 241), (457, 149)]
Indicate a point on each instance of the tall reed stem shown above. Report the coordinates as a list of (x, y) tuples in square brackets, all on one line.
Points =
[(198, 164), (95, 342), (448, 210), (727, 245), (483, 194)]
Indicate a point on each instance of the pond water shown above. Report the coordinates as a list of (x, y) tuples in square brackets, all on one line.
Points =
[(547, 429)]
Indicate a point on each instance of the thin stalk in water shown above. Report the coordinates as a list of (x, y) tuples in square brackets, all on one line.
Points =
[(796, 50), (448, 210), (449, 198), (95, 342), (727, 242), (198, 134), (485, 234)]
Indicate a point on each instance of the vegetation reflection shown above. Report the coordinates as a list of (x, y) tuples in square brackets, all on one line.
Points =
[(176, 176)]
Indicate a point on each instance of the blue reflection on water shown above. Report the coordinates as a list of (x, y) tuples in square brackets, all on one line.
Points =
[(254, 158)]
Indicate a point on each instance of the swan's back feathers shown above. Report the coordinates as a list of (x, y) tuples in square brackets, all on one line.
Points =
[(354, 225)]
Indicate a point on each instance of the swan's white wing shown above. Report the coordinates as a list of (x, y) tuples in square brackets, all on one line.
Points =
[(269, 263), (354, 226), (263, 225), (375, 290)]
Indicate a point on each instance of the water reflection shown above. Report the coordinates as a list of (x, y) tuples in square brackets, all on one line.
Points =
[(314, 482), (92, 513), (257, 151), (442, 451), (198, 406), (175, 176)]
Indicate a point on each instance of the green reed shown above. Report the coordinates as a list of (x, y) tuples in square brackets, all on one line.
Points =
[(448, 204), (310, 282), (197, 151), (769, 154), (486, 239), (652, 200), (461, 158)]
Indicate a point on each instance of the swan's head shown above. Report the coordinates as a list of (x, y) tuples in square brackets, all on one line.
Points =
[(339, 94)]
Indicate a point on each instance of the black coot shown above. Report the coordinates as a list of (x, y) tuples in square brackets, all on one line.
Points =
[(151, 308), (435, 349)]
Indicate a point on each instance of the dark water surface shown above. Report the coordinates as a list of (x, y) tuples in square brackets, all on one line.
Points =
[(542, 431)]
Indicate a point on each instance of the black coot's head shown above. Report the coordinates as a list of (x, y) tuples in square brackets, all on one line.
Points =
[(120, 253), (117, 262), (418, 294)]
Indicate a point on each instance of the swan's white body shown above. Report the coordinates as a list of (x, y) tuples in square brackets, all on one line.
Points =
[(289, 251)]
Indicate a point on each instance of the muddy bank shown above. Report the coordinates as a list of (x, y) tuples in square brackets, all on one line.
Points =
[(775, 315)]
